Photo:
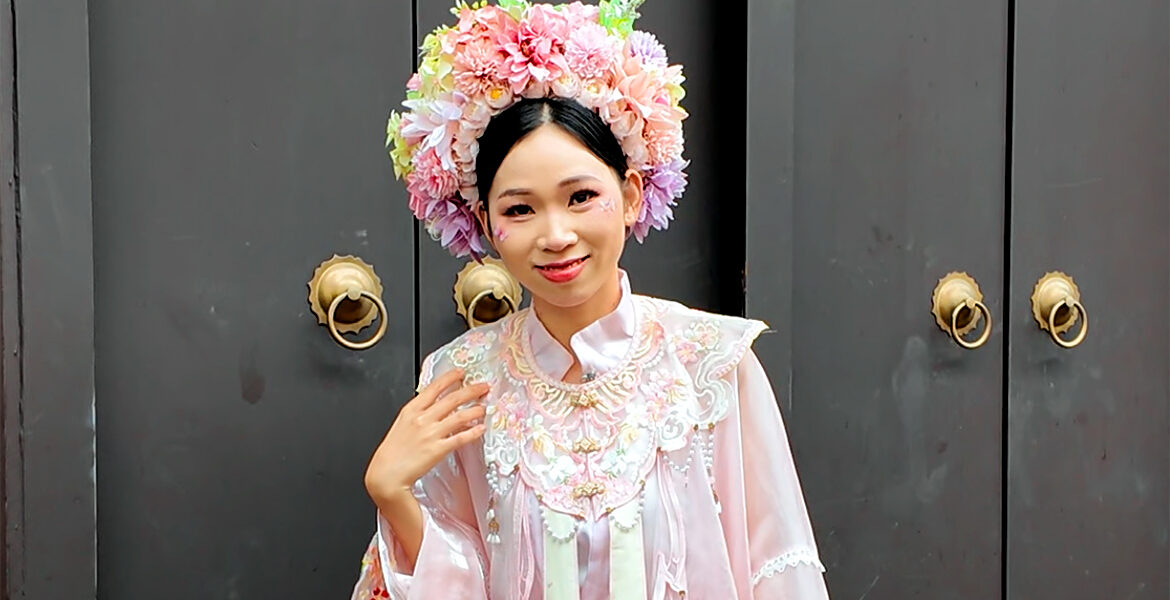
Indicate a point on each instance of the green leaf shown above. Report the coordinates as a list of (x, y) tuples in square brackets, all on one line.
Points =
[(462, 4), (515, 8), (618, 15)]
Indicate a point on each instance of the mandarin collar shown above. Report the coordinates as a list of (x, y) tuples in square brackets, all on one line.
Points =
[(600, 346)]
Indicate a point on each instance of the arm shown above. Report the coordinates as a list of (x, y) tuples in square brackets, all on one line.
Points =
[(405, 518), (427, 538), (765, 519), (449, 554)]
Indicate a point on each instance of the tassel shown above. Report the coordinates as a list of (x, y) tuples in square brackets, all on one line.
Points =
[(493, 525)]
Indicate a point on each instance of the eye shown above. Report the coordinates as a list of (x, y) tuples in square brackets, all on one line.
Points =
[(582, 196), (517, 209)]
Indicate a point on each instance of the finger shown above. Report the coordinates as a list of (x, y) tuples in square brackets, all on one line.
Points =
[(459, 397), (462, 419), (465, 437), (436, 387)]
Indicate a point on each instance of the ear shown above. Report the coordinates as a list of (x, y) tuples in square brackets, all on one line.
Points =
[(632, 197)]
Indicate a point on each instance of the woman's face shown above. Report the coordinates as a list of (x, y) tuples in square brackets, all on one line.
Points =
[(559, 217)]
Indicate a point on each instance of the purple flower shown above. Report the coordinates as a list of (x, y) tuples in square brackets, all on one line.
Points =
[(647, 47), (660, 187), (451, 223)]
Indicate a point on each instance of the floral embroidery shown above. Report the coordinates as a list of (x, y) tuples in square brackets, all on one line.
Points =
[(469, 355), (472, 348), (695, 341), (370, 584), (586, 449)]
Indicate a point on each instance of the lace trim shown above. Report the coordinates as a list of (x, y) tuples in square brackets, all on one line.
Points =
[(793, 558)]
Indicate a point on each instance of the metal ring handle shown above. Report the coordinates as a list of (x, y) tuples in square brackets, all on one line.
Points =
[(1077, 306), (471, 320), (382, 320), (971, 303)]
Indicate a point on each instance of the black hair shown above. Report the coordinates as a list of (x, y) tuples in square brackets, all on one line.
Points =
[(506, 129)]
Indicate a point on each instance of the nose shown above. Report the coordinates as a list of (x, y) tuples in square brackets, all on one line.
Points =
[(559, 233)]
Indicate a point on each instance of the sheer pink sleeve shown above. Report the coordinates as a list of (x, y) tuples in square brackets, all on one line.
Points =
[(766, 524), (450, 560)]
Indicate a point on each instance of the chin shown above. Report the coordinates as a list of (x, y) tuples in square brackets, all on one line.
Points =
[(563, 295)]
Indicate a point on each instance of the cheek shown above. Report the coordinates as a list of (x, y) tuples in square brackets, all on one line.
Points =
[(501, 233), (604, 223)]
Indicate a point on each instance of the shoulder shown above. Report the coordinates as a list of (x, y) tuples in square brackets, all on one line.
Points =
[(693, 332), (473, 350)]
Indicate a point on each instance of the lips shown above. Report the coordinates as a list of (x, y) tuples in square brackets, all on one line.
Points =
[(560, 272), (561, 265)]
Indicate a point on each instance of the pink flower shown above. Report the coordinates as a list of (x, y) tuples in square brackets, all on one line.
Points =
[(535, 49), (633, 144), (578, 14), (535, 89), (641, 102), (664, 141), (429, 180), (686, 350), (566, 86), (489, 21), (594, 95), (590, 51), (642, 91), (450, 222), (470, 193), (434, 123), (476, 67)]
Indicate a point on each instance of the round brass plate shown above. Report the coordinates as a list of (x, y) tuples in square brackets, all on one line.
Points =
[(486, 292), (345, 275)]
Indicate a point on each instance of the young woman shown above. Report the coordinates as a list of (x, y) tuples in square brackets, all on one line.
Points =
[(597, 444)]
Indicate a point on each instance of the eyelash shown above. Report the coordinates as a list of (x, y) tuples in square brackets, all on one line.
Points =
[(513, 211), (578, 197), (588, 195)]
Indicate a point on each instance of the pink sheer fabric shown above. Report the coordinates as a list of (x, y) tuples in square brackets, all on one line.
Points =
[(722, 513)]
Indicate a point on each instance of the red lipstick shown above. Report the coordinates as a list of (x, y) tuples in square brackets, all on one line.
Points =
[(563, 271)]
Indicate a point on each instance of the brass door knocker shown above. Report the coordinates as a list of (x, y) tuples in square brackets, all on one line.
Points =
[(486, 292), (346, 296), (958, 307), (1056, 305)]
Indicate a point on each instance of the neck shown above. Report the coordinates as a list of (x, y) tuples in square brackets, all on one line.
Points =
[(562, 322)]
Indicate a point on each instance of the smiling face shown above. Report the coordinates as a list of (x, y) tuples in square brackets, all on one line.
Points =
[(558, 219)]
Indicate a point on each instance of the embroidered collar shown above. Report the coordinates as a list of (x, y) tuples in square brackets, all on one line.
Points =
[(600, 346)]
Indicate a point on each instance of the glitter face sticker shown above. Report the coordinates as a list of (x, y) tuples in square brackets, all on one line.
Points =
[(607, 205), (501, 233)]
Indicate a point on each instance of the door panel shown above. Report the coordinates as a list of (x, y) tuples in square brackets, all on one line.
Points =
[(699, 259), (235, 146), (898, 116), (1087, 462)]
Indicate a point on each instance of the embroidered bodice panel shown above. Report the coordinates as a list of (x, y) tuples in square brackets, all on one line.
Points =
[(586, 449)]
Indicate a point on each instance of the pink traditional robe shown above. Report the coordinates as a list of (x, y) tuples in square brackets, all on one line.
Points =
[(667, 474)]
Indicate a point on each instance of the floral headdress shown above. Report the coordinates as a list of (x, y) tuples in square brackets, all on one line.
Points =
[(497, 55)]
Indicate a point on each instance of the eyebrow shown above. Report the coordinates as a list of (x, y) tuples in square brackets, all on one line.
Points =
[(564, 183)]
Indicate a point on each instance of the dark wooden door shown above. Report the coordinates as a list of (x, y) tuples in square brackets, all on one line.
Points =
[(236, 146), (876, 167), (891, 143), (1087, 440)]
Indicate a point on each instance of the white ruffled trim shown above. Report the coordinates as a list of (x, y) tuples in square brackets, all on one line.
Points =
[(793, 558)]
